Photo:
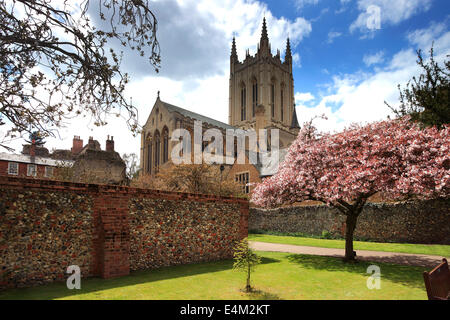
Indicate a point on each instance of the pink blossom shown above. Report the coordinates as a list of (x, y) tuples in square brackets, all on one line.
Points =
[(394, 157)]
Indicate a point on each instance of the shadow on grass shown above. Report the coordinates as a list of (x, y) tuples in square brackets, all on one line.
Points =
[(410, 276), (89, 285), (262, 295)]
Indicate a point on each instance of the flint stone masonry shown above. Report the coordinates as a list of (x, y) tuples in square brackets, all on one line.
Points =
[(425, 222), (194, 232), (46, 226)]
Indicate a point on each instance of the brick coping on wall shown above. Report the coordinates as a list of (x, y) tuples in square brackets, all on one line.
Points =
[(105, 188)]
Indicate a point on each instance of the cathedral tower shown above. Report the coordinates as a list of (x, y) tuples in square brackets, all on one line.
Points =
[(262, 90)]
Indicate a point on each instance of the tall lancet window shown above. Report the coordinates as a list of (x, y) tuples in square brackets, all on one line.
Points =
[(254, 96), (157, 150), (149, 157), (243, 103), (272, 99), (282, 104), (165, 145)]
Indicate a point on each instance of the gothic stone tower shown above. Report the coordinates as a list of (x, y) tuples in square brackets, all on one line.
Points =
[(262, 91)]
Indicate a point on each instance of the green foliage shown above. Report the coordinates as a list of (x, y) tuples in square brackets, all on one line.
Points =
[(245, 259), (37, 137), (326, 235), (426, 98)]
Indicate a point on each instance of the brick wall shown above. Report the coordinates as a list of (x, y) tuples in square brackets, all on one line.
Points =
[(410, 222), (45, 226)]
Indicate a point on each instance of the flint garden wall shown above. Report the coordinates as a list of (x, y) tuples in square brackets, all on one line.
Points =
[(108, 231)]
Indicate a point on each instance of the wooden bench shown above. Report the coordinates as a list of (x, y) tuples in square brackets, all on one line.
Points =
[(437, 282)]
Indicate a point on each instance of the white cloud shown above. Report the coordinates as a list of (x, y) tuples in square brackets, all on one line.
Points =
[(301, 97), (391, 12), (301, 3), (375, 58), (297, 60), (333, 35), (423, 37), (360, 97)]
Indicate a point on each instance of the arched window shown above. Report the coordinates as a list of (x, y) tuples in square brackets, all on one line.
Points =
[(149, 157), (254, 96), (165, 145), (243, 102), (157, 152)]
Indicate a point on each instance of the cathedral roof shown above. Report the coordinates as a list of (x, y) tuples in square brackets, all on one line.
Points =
[(196, 116)]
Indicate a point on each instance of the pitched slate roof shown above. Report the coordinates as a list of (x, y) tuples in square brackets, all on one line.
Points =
[(196, 116), (25, 158)]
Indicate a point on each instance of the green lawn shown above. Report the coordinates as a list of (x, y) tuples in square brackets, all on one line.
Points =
[(434, 249), (280, 276)]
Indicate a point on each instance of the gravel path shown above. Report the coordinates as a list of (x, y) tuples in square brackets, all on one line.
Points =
[(421, 260)]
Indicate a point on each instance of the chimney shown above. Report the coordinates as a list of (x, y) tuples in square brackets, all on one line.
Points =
[(33, 149), (77, 145), (110, 144)]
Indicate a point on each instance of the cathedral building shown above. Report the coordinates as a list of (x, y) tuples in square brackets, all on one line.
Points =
[(261, 96)]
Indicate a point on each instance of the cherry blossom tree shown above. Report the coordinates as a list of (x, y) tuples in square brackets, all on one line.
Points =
[(396, 158)]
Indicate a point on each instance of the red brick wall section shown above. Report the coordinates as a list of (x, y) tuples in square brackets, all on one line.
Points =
[(114, 233), (45, 226)]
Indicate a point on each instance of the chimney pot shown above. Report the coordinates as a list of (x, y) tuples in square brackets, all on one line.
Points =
[(77, 145), (110, 144)]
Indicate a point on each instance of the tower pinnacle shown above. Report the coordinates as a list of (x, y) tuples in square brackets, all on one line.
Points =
[(264, 31), (288, 56), (233, 50), (264, 45)]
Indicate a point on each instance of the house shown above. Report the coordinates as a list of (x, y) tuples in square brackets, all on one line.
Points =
[(35, 162), (82, 163)]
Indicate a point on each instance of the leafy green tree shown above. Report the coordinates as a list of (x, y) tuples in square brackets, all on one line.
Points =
[(56, 63), (245, 259), (36, 137), (426, 98)]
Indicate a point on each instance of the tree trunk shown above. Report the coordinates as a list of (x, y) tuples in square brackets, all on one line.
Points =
[(350, 228), (248, 288)]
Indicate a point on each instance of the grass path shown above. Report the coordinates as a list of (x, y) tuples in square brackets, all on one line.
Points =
[(280, 276), (435, 249)]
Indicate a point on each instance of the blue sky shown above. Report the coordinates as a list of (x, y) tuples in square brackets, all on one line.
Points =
[(322, 55), (342, 69)]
